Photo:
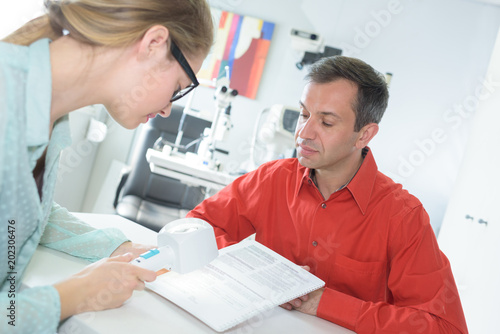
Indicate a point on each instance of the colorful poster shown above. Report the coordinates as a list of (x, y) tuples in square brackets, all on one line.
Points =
[(242, 44)]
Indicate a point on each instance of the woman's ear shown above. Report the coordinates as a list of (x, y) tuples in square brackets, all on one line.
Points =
[(366, 134), (153, 42)]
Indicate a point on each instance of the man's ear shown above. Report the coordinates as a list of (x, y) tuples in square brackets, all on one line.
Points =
[(366, 134), (153, 42)]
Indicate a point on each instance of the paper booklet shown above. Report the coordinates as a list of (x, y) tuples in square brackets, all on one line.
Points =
[(244, 280)]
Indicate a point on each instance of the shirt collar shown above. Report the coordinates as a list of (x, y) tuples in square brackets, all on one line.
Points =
[(361, 185), (304, 177), (38, 93)]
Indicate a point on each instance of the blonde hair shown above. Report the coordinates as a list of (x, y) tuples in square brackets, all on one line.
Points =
[(120, 23)]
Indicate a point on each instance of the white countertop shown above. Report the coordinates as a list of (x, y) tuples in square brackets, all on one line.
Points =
[(145, 311)]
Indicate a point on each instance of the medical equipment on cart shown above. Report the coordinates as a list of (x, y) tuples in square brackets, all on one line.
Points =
[(274, 137)]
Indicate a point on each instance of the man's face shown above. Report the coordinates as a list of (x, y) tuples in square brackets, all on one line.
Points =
[(325, 137)]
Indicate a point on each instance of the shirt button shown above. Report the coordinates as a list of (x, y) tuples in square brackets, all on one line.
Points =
[(315, 243), (310, 182), (323, 205)]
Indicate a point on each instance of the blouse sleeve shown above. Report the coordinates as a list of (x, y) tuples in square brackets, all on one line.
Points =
[(34, 310), (66, 233)]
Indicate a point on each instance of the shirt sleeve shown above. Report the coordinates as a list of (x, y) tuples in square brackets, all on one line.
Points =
[(425, 297), (34, 310), (66, 233), (227, 207)]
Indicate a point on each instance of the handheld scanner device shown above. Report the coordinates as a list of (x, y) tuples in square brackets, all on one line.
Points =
[(184, 245), (155, 259)]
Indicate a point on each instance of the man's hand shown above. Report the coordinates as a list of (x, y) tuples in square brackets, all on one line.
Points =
[(297, 302), (306, 304), (134, 249)]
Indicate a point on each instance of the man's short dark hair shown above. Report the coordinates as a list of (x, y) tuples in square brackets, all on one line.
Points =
[(371, 100)]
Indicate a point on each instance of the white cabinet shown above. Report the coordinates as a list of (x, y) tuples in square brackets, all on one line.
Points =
[(470, 233)]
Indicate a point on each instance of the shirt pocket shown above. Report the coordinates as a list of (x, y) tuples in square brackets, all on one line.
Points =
[(363, 280)]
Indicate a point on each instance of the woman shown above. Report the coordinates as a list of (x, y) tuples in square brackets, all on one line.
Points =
[(133, 56)]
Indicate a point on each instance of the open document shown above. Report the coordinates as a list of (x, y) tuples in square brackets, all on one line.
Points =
[(245, 280)]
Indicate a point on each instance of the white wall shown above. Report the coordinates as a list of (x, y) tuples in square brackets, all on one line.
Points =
[(470, 232), (437, 50), (14, 14), (77, 161)]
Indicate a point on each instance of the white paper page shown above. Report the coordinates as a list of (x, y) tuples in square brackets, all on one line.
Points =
[(244, 280)]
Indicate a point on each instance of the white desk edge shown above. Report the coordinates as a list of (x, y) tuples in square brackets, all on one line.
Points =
[(145, 311)]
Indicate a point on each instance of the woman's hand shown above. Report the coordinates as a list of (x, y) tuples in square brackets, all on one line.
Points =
[(129, 247), (105, 284)]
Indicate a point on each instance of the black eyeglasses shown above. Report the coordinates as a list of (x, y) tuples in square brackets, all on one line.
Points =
[(176, 52)]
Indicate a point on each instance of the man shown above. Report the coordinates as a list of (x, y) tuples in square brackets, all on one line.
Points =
[(330, 209)]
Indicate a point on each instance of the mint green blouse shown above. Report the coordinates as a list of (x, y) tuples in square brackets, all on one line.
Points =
[(25, 220)]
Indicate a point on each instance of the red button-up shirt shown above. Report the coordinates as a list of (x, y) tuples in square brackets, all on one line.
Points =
[(371, 242)]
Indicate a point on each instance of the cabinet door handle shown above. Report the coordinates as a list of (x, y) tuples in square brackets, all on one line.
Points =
[(482, 221)]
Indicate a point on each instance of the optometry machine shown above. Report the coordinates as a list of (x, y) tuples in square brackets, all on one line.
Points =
[(311, 47), (220, 126), (273, 138), (199, 169), (184, 245)]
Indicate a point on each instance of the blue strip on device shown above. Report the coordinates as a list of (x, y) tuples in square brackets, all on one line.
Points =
[(150, 253)]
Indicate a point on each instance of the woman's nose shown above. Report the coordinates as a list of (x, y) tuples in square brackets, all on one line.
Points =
[(166, 112)]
